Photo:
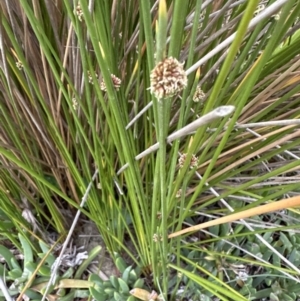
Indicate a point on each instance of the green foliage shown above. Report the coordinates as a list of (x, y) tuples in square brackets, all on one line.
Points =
[(117, 288), (32, 277), (248, 267), (74, 74), (35, 273)]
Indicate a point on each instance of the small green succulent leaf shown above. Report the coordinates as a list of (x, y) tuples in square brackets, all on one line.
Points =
[(139, 283), (9, 258), (51, 288), (273, 297), (133, 276), (68, 273), (118, 297), (267, 254), (15, 264), (124, 289), (114, 282), (29, 267), (126, 273), (27, 250), (42, 279), (98, 286), (98, 296), (193, 254), (69, 297), (293, 295), (32, 295), (42, 270), (286, 297), (294, 257), (61, 292), (285, 241), (2, 270), (247, 290), (6, 225), (14, 274), (45, 248), (131, 298), (276, 260), (81, 294), (107, 284), (268, 281), (121, 264), (109, 291), (25, 276), (95, 279)]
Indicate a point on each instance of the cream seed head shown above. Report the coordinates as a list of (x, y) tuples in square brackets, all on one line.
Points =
[(178, 193), (74, 103), (157, 237), (79, 12), (182, 159), (19, 65), (198, 95), (90, 78), (167, 78), (194, 161), (116, 83)]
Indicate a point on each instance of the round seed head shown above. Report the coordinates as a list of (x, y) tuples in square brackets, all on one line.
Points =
[(167, 78)]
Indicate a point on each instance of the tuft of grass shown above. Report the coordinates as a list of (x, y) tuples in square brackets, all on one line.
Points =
[(87, 86)]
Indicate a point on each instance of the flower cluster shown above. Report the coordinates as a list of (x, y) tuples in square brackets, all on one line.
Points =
[(167, 78), (198, 95), (178, 193), (74, 103), (79, 12), (194, 161), (90, 78), (116, 82), (19, 65), (157, 237)]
